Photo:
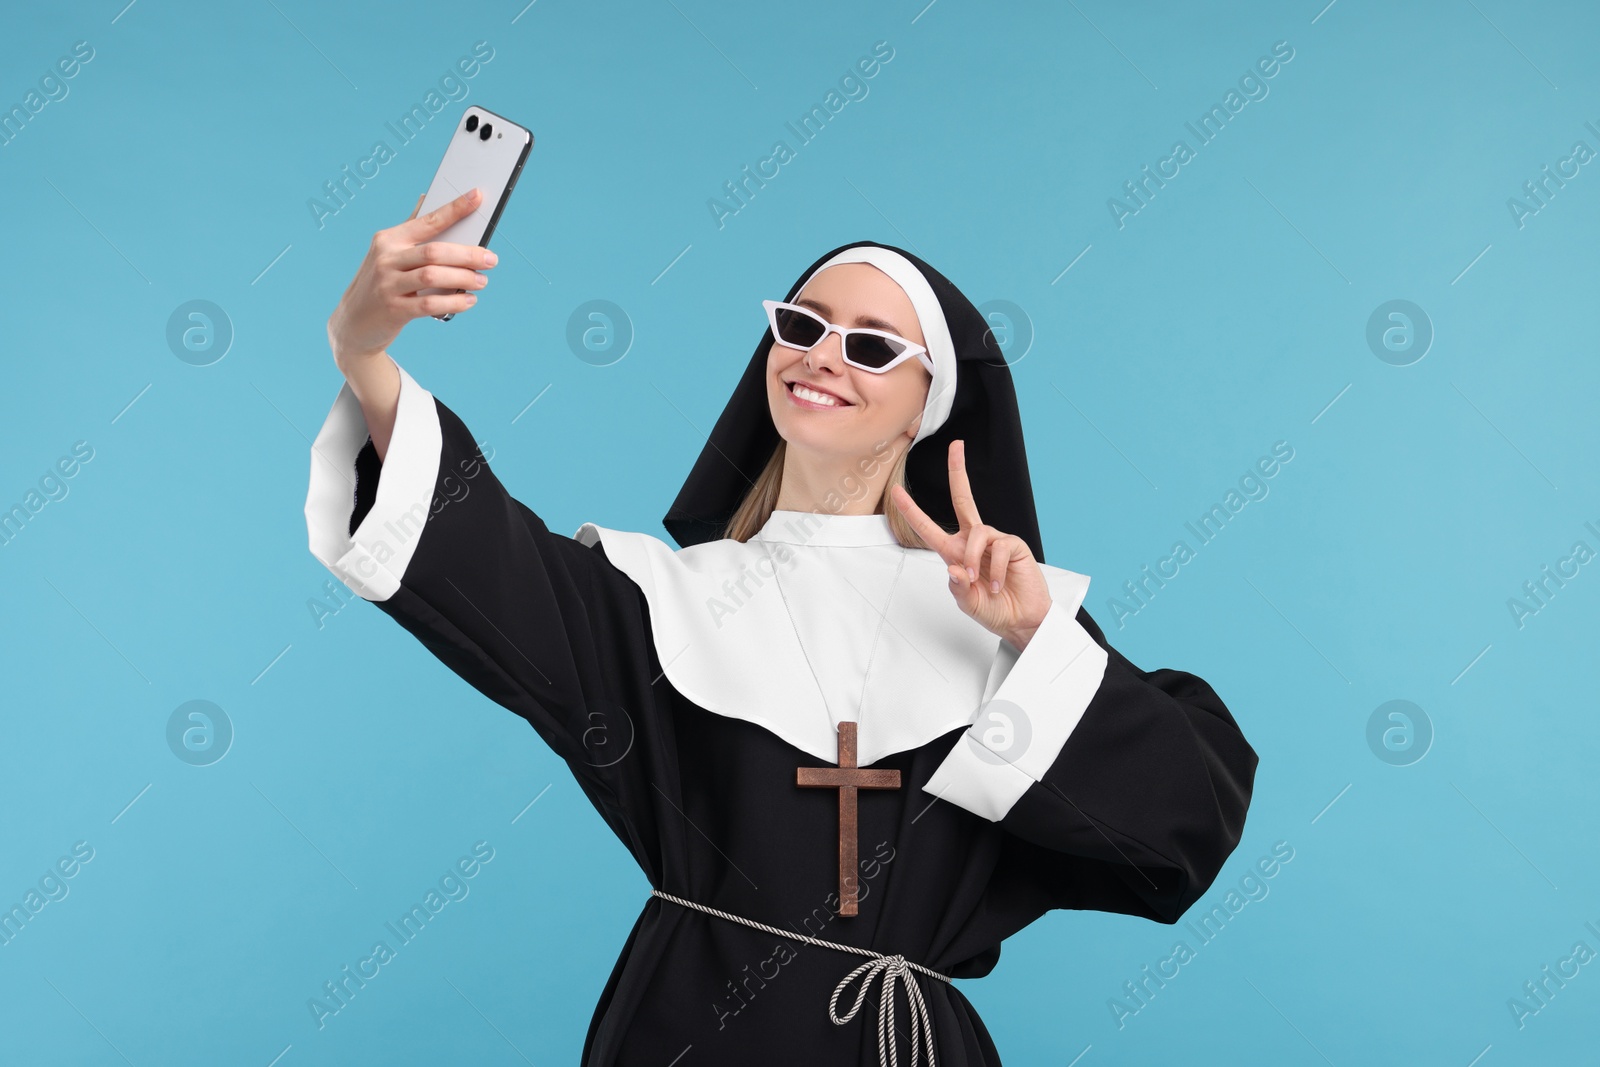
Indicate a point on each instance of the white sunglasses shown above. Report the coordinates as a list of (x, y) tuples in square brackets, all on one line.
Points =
[(876, 351)]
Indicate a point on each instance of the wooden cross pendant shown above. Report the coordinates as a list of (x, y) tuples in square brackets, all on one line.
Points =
[(847, 778)]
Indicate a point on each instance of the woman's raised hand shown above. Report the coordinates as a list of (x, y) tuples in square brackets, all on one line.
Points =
[(401, 260), (993, 575)]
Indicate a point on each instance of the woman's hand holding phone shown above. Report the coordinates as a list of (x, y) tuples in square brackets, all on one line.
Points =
[(383, 297), (402, 260)]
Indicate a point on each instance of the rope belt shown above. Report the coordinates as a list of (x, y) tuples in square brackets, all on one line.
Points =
[(892, 968)]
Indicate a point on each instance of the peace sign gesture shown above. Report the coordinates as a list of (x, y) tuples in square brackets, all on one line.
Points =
[(993, 575)]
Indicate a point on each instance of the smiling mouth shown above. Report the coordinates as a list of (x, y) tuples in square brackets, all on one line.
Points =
[(816, 397)]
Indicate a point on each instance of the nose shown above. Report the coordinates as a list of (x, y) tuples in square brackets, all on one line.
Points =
[(828, 352)]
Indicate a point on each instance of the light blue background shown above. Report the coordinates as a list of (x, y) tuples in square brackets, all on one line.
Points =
[(1228, 314)]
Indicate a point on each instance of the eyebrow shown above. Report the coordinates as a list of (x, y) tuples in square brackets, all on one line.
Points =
[(861, 320)]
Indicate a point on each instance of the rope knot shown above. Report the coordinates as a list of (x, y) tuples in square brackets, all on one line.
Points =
[(892, 968)]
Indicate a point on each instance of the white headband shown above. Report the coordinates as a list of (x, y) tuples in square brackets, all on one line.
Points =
[(935, 331)]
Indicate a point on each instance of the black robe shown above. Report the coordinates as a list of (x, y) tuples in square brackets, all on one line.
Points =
[(1136, 815)]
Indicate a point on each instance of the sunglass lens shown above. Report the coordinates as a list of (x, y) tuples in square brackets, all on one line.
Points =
[(872, 351), (796, 328)]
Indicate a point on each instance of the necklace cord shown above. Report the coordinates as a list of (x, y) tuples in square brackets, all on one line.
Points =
[(883, 618)]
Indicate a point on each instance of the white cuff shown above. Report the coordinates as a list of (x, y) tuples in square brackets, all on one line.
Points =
[(373, 560), (1020, 731)]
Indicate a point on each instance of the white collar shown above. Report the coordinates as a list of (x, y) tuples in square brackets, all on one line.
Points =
[(730, 640), (824, 530)]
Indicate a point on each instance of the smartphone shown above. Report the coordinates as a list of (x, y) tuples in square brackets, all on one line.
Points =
[(486, 151)]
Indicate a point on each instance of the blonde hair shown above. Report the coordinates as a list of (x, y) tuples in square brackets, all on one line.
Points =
[(762, 499)]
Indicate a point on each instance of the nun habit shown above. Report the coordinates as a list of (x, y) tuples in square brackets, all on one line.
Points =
[(684, 687)]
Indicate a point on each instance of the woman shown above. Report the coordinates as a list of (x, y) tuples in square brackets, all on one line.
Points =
[(845, 744)]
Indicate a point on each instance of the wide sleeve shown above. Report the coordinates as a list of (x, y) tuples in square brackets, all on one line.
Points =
[(1123, 790), (542, 625)]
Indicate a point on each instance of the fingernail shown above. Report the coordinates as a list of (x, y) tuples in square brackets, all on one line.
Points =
[(994, 587), (952, 579), (471, 299), (972, 575), (490, 258)]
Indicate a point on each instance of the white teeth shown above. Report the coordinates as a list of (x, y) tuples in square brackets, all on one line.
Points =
[(815, 397)]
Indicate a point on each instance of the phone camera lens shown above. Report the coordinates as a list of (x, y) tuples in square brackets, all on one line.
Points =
[(483, 134), (472, 123)]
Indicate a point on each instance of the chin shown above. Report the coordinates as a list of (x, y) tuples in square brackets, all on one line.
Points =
[(808, 434)]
